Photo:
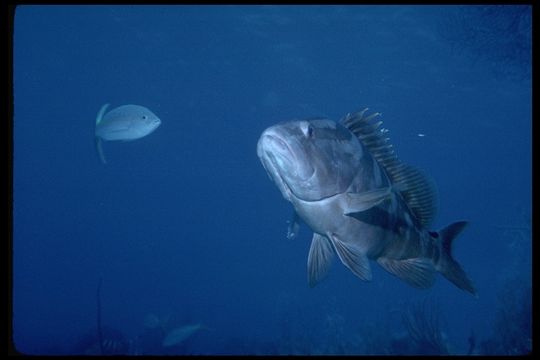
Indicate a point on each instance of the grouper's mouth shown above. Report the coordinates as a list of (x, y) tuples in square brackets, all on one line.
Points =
[(277, 157), (279, 152)]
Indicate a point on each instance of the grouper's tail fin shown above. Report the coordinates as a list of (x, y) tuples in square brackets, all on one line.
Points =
[(446, 265)]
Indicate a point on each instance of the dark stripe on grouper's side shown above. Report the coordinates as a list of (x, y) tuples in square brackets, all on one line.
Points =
[(380, 217)]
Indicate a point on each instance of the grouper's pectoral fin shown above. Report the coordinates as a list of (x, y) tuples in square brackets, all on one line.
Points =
[(319, 259), (358, 202), (418, 272), (99, 149), (353, 258)]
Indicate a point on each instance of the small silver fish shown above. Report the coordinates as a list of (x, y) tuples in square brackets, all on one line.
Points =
[(180, 334), (345, 181), (126, 123)]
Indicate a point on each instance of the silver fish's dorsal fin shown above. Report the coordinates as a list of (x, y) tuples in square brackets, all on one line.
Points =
[(101, 112), (418, 190)]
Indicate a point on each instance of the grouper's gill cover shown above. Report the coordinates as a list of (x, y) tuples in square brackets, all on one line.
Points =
[(347, 184)]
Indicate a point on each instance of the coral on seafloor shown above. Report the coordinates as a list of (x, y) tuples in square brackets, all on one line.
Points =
[(512, 330)]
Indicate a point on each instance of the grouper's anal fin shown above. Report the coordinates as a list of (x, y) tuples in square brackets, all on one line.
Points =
[(320, 258), (99, 149), (417, 272)]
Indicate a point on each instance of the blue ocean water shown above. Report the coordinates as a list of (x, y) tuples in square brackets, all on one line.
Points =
[(184, 226)]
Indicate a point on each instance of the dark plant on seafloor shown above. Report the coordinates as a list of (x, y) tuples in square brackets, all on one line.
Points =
[(113, 342), (423, 324), (512, 330)]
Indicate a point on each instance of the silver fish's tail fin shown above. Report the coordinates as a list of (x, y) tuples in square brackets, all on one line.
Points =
[(446, 264), (97, 140), (99, 149)]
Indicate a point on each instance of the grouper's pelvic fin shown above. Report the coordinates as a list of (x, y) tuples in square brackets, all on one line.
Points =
[(352, 257), (446, 264), (321, 255), (97, 140)]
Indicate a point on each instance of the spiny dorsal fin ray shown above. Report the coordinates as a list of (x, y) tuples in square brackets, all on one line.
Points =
[(419, 191)]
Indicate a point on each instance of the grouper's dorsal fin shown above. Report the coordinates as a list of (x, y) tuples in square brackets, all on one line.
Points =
[(420, 193), (418, 190), (373, 138)]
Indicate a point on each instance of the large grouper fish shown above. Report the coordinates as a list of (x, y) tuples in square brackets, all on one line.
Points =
[(347, 184), (124, 123)]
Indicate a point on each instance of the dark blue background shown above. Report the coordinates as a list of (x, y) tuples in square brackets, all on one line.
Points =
[(186, 221)]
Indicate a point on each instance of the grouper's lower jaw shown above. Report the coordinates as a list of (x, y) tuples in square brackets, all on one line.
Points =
[(271, 141), (270, 164), (273, 147)]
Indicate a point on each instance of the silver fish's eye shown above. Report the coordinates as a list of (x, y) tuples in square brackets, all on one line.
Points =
[(310, 131), (144, 117), (307, 129)]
